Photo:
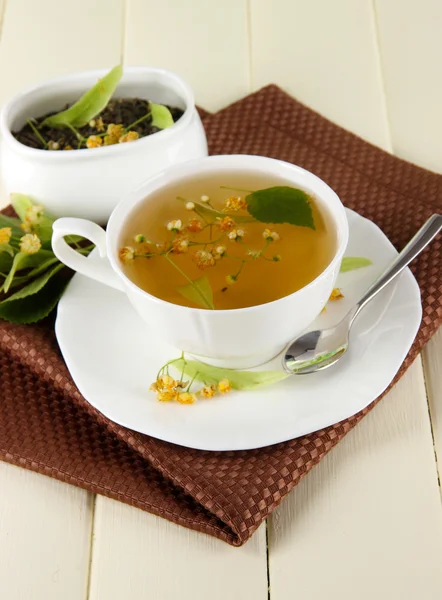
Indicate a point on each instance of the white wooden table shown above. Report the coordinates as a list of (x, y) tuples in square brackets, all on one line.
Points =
[(367, 522)]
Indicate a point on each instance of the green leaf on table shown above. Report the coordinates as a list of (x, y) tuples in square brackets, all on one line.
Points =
[(161, 116), (281, 204), (26, 261), (36, 306), (239, 380), (7, 248), (199, 292), (350, 263), (35, 285), (21, 204), (90, 104), (13, 223)]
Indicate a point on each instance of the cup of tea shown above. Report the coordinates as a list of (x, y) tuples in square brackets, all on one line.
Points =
[(225, 257)]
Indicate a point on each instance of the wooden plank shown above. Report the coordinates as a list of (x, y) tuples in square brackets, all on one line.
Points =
[(323, 53), (45, 529), (137, 555), (205, 41), (55, 38), (367, 521), (433, 376), (411, 50)]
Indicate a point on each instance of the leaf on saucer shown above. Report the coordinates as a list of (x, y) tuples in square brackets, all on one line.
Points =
[(34, 307), (199, 291), (161, 116), (281, 204), (90, 104), (350, 263), (239, 380)]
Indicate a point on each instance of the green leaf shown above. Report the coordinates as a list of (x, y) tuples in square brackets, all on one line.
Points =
[(5, 263), (239, 380), (13, 223), (35, 285), (199, 292), (26, 261), (350, 263), (90, 104), (37, 306), (7, 248), (281, 204), (21, 204), (161, 116)]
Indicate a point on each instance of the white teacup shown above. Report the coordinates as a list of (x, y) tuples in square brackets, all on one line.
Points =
[(238, 338)]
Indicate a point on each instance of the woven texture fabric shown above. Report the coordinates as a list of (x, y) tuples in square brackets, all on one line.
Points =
[(47, 426)]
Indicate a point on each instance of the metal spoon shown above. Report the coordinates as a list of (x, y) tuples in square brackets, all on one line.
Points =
[(320, 349)]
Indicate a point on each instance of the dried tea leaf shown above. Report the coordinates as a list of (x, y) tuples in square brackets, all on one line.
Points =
[(199, 291), (350, 263), (281, 204), (90, 104)]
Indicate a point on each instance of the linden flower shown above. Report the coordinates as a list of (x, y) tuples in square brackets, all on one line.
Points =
[(53, 145), (115, 131), (185, 398), (208, 391), (195, 225), (204, 259), (93, 141), (270, 235), (218, 252), (204, 198), (230, 279), (139, 238), (130, 136), (235, 203), (166, 381), (166, 395), (30, 243), (225, 224), (336, 294), (235, 234), (26, 227), (254, 254), (99, 125), (276, 258), (175, 225), (68, 147), (224, 386), (5, 235), (34, 214), (190, 205), (180, 245), (126, 254)]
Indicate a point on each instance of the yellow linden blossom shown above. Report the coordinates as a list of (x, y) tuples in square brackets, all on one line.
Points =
[(336, 294), (5, 235), (175, 225), (190, 206), (126, 254), (68, 147), (235, 234), (224, 386), (93, 141), (204, 198), (99, 125), (30, 243), (115, 130), (166, 395), (185, 398), (139, 238), (130, 136), (235, 203), (270, 235), (53, 145), (218, 252), (195, 225), (27, 227), (208, 391), (204, 259), (180, 245), (225, 224), (34, 214), (230, 279)]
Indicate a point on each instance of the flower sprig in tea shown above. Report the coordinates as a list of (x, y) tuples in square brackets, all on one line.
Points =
[(209, 233)]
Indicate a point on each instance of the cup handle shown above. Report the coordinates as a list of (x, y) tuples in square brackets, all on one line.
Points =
[(95, 267)]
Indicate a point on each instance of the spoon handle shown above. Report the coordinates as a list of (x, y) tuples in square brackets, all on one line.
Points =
[(422, 238)]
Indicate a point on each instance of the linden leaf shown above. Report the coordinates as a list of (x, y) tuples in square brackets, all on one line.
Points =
[(25, 261), (7, 248), (35, 285), (199, 291), (13, 223), (36, 306), (90, 104), (239, 380), (350, 263), (161, 116), (281, 204)]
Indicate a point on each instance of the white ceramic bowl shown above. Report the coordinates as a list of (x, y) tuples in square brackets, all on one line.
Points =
[(238, 338), (90, 183)]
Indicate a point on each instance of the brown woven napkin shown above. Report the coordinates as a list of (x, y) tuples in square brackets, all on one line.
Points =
[(46, 425)]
